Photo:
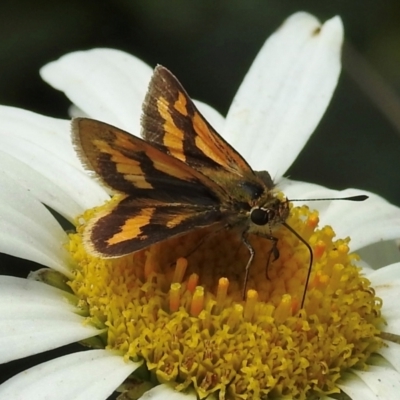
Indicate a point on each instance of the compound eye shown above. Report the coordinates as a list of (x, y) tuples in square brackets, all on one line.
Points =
[(259, 216)]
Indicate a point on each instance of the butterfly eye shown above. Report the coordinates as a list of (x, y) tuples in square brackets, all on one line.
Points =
[(259, 216)]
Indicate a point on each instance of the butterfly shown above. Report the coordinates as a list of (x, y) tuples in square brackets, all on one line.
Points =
[(179, 177)]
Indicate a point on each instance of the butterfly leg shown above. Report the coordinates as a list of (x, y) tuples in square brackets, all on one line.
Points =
[(274, 251), (247, 269)]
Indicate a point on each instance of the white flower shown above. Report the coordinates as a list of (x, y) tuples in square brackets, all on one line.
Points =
[(279, 104)]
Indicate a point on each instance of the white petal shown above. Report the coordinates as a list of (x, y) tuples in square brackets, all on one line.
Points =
[(357, 389), (374, 220), (162, 392), (366, 268), (53, 182), (76, 112), (383, 382), (39, 155), (380, 254), (28, 230), (391, 352), (49, 133), (371, 221), (384, 275), (35, 317), (92, 374), (302, 190), (386, 283), (285, 92), (299, 192), (109, 85)]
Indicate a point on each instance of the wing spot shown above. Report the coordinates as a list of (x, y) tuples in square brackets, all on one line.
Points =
[(180, 105), (173, 136), (176, 220), (209, 148), (138, 181), (126, 166), (133, 227)]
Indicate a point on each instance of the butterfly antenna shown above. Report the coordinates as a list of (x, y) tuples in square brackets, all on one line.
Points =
[(360, 197)]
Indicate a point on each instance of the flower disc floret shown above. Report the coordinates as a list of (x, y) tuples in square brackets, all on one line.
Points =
[(178, 305)]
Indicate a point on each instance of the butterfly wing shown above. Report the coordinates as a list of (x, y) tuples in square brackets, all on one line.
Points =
[(172, 122), (136, 223), (130, 165), (162, 196)]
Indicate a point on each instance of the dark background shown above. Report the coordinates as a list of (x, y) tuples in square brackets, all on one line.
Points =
[(210, 45)]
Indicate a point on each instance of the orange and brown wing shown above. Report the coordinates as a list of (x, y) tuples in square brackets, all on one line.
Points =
[(130, 165), (163, 197), (136, 223), (172, 122)]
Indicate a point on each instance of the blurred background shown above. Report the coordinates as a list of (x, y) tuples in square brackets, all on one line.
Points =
[(210, 45)]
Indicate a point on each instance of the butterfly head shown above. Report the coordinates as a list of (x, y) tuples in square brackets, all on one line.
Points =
[(273, 212)]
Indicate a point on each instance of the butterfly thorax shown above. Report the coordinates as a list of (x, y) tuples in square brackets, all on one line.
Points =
[(254, 203), (268, 210)]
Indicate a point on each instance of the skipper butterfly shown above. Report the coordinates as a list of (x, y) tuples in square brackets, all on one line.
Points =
[(181, 176)]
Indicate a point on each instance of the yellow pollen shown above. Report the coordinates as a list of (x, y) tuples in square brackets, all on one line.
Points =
[(250, 305), (192, 283), (319, 249), (321, 280), (336, 276), (222, 291), (284, 309), (343, 248), (150, 264), (236, 316), (197, 301), (175, 297), (181, 265), (313, 220), (182, 312)]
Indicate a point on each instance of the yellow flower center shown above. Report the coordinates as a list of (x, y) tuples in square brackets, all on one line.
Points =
[(178, 305)]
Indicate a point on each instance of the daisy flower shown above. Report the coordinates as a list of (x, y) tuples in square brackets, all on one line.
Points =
[(163, 326)]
